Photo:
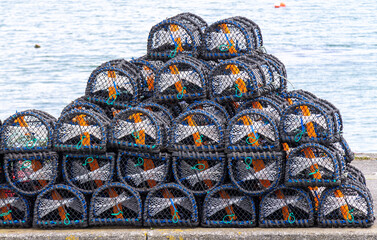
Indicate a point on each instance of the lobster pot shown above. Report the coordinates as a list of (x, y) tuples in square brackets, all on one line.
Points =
[(163, 113), (355, 174), (27, 131), (14, 208), (143, 171), (82, 104), (148, 71), (312, 164), (115, 204), (270, 104), (226, 206), (298, 95), (114, 83), (87, 172), (181, 34), (315, 195), (137, 128), (255, 173), (31, 173), (347, 205), (286, 207), (199, 172), (181, 78), (212, 107), (252, 130), (197, 130), (81, 131), (279, 72), (304, 122), (170, 205), (231, 37)]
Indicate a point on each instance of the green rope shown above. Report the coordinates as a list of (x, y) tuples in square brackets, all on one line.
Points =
[(291, 216), (314, 172), (199, 168), (6, 213), (175, 217), (174, 51), (112, 102), (237, 89), (116, 214), (248, 163), (299, 135), (224, 47), (350, 213), (139, 162), (138, 134), (255, 140), (23, 165), (79, 144), (180, 94), (231, 216), (86, 161), (67, 218)]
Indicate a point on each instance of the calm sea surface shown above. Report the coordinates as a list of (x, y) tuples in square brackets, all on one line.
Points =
[(328, 48)]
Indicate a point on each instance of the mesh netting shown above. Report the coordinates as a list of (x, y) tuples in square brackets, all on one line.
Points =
[(14, 208), (148, 71), (143, 171), (312, 164), (231, 37), (252, 130), (170, 205), (88, 172), (30, 173), (114, 83), (162, 112), (81, 131), (137, 128), (255, 173), (307, 122), (81, 103), (199, 172), (181, 34), (298, 96), (226, 206), (60, 206), (344, 149), (182, 78), (348, 205), (27, 131), (197, 130), (212, 107), (286, 207), (355, 174), (115, 204)]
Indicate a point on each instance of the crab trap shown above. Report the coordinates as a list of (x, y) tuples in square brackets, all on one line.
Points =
[(31, 173), (60, 206), (305, 122), (344, 150), (181, 34), (88, 172), (115, 204), (199, 172), (82, 104), (312, 164), (81, 131), (143, 171), (355, 174), (114, 83), (137, 128), (170, 205), (231, 37), (226, 206), (255, 173), (14, 208), (252, 130), (163, 113), (197, 130), (212, 107), (27, 131), (347, 205), (286, 207), (181, 78)]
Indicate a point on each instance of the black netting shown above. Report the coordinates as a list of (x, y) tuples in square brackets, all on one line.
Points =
[(231, 37), (170, 205), (81, 131), (114, 83), (212, 107), (88, 172), (60, 206), (312, 164), (307, 122), (252, 130), (148, 71), (163, 113), (344, 149), (31, 173), (199, 172), (197, 130), (137, 128), (226, 206), (182, 78), (30, 130), (348, 205), (143, 171), (14, 209), (255, 173), (181, 34), (286, 207), (115, 204), (355, 174), (81, 103)]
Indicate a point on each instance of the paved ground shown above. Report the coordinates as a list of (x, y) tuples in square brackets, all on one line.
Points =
[(367, 163)]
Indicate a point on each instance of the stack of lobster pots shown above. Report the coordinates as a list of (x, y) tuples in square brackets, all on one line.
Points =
[(200, 131)]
